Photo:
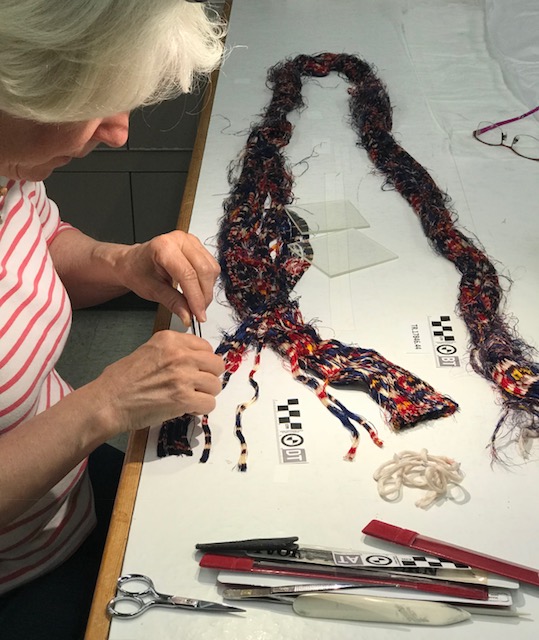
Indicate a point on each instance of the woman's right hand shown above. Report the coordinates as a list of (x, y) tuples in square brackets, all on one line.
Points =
[(171, 374)]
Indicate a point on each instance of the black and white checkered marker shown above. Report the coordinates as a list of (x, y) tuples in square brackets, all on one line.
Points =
[(290, 436), (358, 560), (402, 561), (443, 340)]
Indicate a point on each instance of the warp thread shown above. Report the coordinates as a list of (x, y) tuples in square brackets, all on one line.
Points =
[(259, 270), (420, 470)]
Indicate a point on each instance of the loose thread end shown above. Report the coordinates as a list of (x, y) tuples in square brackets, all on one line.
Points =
[(207, 440), (173, 438), (242, 461), (376, 440), (351, 453)]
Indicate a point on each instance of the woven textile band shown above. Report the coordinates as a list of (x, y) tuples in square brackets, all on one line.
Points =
[(259, 271)]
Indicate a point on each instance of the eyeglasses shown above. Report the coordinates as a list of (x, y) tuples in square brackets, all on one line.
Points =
[(523, 145)]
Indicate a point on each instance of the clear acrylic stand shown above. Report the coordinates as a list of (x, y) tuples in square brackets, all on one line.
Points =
[(341, 252), (332, 240), (333, 215)]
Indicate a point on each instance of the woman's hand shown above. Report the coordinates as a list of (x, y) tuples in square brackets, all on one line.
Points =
[(94, 272), (150, 269), (171, 374)]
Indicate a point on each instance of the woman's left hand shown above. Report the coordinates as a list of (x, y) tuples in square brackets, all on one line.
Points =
[(151, 269)]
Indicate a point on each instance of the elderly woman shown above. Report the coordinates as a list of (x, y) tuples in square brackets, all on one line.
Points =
[(70, 73)]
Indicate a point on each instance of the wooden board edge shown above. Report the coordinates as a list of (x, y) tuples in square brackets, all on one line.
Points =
[(113, 555), (98, 626)]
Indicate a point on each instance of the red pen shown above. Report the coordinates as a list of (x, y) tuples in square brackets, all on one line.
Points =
[(237, 563), (414, 540)]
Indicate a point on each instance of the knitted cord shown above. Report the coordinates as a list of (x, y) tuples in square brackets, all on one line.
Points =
[(436, 474), (259, 267)]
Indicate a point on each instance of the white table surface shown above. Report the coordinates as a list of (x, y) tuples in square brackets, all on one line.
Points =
[(431, 54)]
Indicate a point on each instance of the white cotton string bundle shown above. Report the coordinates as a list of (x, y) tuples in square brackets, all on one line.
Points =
[(420, 471)]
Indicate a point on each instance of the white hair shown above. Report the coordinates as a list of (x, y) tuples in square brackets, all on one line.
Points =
[(75, 60)]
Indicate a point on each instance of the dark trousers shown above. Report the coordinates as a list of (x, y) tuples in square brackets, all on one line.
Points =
[(56, 606)]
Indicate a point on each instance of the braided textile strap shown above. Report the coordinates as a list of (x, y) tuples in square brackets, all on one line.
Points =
[(259, 269)]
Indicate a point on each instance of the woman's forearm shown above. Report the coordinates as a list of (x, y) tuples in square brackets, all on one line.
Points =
[(87, 267), (94, 272), (40, 452), (171, 374)]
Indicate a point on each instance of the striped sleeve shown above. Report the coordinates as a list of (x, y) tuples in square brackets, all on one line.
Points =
[(49, 215)]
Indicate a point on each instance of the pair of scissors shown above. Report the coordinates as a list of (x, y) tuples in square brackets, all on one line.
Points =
[(137, 594)]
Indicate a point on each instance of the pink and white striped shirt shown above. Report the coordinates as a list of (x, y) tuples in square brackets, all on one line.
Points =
[(35, 319)]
